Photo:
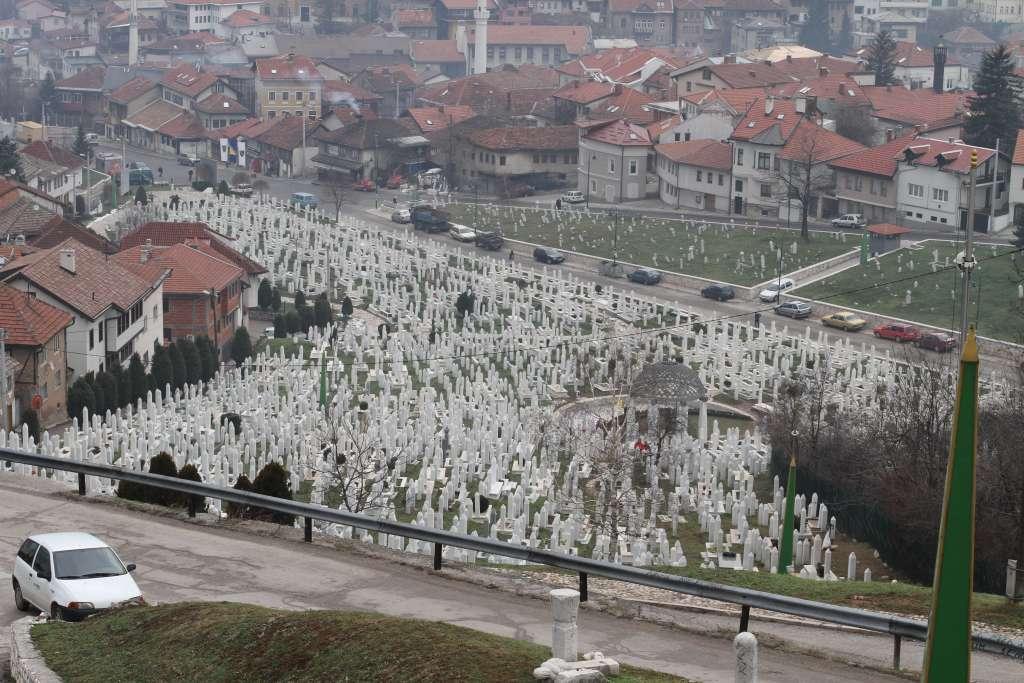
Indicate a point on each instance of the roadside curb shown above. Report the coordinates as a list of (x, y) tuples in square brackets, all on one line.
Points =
[(27, 664)]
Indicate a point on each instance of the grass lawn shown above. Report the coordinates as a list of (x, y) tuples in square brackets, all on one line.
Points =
[(901, 598), (993, 300), (712, 252), (238, 642)]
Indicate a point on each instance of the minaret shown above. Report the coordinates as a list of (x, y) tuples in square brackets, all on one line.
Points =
[(480, 41), (133, 33)]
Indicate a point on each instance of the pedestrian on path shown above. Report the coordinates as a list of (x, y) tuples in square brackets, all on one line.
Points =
[(511, 255), (757, 319)]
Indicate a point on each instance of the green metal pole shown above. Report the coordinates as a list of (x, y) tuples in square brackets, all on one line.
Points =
[(948, 652), (786, 543)]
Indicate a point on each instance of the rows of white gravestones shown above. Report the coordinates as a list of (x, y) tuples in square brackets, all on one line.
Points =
[(735, 253), (443, 419)]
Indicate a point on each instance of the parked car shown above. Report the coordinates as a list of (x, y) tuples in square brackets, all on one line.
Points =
[(70, 575), (401, 216), (490, 241), (719, 292), (187, 160), (794, 309), (365, 185), (139, 174), (242, 190), (771, 292), (462, 233), (844, 320), (394, 182), (901, 332), (546, 255), (645, 276), (92, 139), (304, 199), (849, 220), (573, 197), (937, 341)]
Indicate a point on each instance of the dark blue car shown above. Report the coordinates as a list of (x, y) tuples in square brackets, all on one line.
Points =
[(645, 276)]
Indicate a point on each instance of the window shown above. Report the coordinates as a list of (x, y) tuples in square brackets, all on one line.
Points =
[(676, 137), (883, 188), (271, 114), (272, 96), (92, 342), (739, 156), (298, 96), (705, 74), (686, 137), (764, 161), (940, 195), (27, 551), (42, 564), (766, 190), (611, 165), (739, 186), (529, 54), (711, 177), (519, 54), (501, 160), (284, 96), (858, 183), (700, 176), (721, 179), (873, 187), (915, 190), (103, 326), (632, 167)]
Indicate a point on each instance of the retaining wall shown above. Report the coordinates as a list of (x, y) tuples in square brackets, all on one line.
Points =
[(27, 664)]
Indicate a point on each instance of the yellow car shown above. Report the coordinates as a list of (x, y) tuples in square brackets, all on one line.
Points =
[(844, 320)]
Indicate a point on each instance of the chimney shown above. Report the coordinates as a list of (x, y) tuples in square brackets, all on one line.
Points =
[(67, 260), (769, 105), (823, 71), (939, 67), (789, 59), (800, 105), (889, 136), (291, 55), (146, 252), (730, 59)]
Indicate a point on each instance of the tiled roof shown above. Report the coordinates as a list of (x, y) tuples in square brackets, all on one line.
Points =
[(430, 119), (405, 18), (244, 18), (165, 234), (187, 80), (287, 67), (627, 104), (248, 128), (23, 217), (923, 107), (512, 90), (221, 104), (621, 133), (194, 271), (703, 153), (60, 229), (366, 133), (574, 39), (769, 120), (29, 321), (380, 79), (121, 19), (947, 156), (585, 92), (911, 55), (97, 283), (966, 35), (879, 161), (515, 139), (286, 133), (840, 89), (185, 126), (154, 115), (87, 79), (47, 151), (738, 100), (197, 41), (335, 91), (346, 115), (1018, 150), (435, 52), (130, 90), (812, 143)]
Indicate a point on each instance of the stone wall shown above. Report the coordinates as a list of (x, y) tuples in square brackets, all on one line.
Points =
[(27, 665)]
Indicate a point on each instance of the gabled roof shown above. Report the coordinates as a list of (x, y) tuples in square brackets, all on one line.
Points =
[(97, 283), (220, 104), (409, 18), (769, 121), (290, 67), (967, 35), (812, 143), (90, 79), (516, 139), (154, 115), (197, 41), (286, 133), (47, 151), (574, 39), (430, 119), (953, 157), (29, 321), (244, 18), (627, 104), (436, 52), (923, 107), (193, 270), (703, 153), (585, 92), (336, 91), (59, 229), (736, 100), (879, 161), (185, 126), (187, 80), (620, 133), (165, 234), (135, 88)]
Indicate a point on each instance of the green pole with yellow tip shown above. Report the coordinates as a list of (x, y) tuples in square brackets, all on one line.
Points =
[(948, 651), (786, 537)]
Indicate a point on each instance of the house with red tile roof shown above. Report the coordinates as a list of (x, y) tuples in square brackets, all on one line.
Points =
[(338, 93), (289, 85), (695, 174), (243, 24), (432, 119), (648, 22), (115, 312), (202, 293), (1016, 188), (80, 98), (37, 355), (504, 161), (705, 115), (616, 162), (165, 127), (915, 68), (286, 148), (438, 56), (165, 234), (417, 23), (534, 44), (204, 15), (126, 100), (897, 110)]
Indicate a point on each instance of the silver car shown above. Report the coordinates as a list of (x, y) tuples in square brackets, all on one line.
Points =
[(401, 216)]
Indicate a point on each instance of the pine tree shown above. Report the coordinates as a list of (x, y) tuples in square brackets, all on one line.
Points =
[(30, 419), (265, 294), (190, 355), (241, 346), (10, 160), (137, 371), (323, 314), (81, 147), (107, 383), (346, 307), (275, 302), (300, 300), (140, 196), (163, 370), (815, 32), (206, 358), (48, 93), (80, 396), (280, 327), (881, 58), (178, 366), (994, 110)]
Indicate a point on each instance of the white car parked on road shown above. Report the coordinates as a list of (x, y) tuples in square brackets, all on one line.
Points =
[(70, 575), (771, 292)]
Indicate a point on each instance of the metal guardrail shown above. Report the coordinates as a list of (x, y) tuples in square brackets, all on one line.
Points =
[(898, 627)]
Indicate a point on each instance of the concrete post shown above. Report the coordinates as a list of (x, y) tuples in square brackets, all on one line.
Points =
[(745, 645), (565, 604)]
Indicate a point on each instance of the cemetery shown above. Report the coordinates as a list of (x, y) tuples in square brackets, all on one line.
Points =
[(544, 411), (722, 252)]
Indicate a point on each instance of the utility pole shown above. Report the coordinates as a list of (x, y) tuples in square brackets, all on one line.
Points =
[(995, 189), (3, 380), (965, 260)]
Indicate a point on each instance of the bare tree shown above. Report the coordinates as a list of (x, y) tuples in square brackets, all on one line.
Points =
[(337, 190), (804, 173), (856, 123), (261, 186)]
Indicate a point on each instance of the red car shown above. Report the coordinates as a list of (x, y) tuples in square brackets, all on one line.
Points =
[(901, 332), (365, 185)]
